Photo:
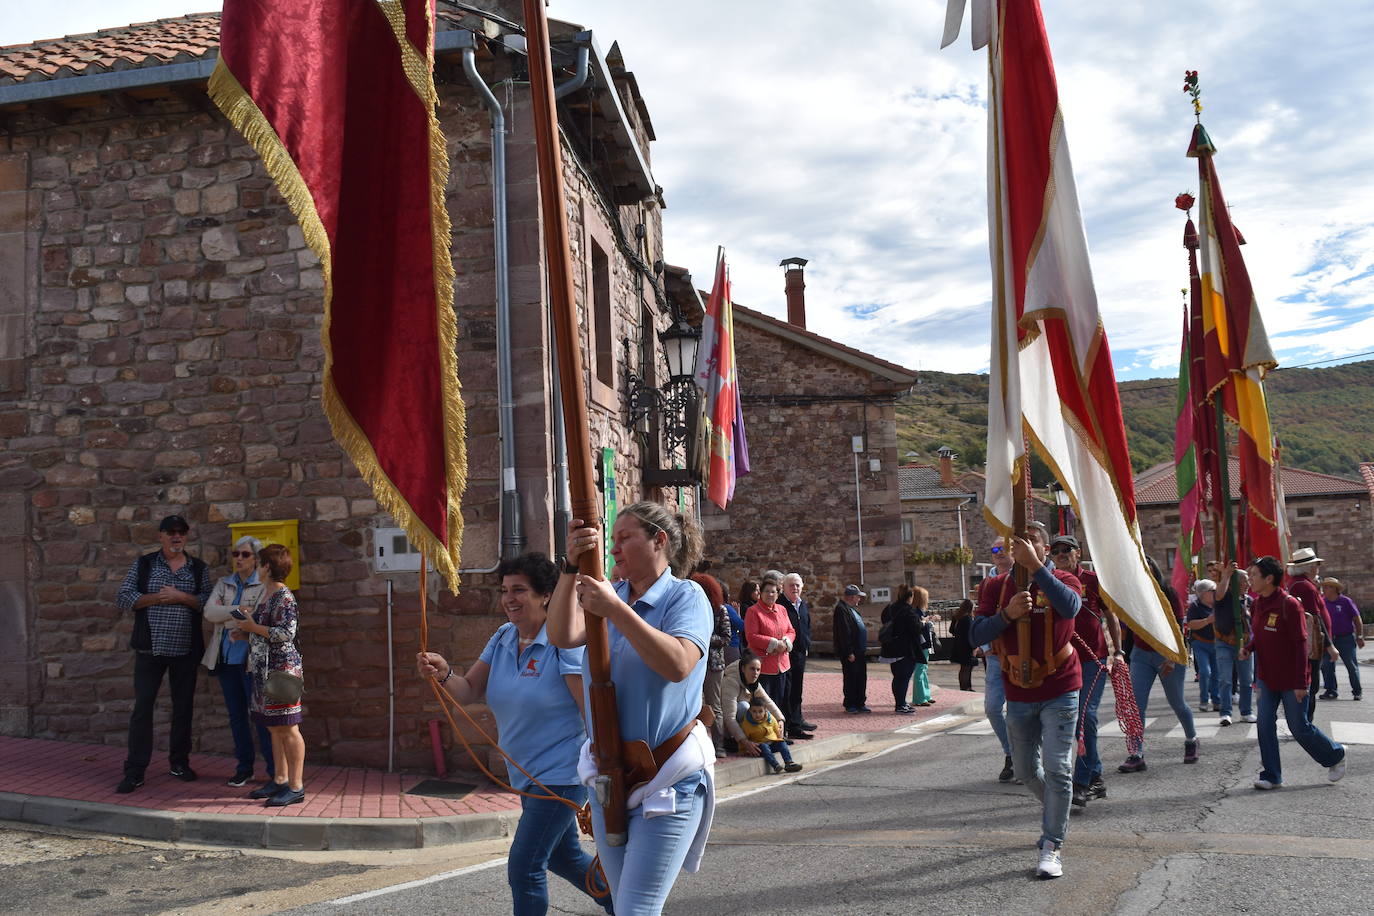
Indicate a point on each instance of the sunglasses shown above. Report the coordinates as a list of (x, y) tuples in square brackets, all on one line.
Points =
[(241, 553), (1060, 551), (998, 549)]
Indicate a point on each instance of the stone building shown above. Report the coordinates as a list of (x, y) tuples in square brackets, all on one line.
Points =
[(822, 433), (160, 352), (1330, 514)]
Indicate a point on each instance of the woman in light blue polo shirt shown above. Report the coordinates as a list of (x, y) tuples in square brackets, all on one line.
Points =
[(659, 628), (535, 692)]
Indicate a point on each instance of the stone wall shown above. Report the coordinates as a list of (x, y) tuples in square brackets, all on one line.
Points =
[(170, 361), (1339, 527), (795, 511)]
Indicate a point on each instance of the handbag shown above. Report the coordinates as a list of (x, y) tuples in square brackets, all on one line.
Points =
[(283, 687)]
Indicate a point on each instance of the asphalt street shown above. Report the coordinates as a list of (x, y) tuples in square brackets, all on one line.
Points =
[(926, 825)]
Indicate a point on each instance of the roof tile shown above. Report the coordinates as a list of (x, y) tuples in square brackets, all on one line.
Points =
[(142, 44), (1155, 486)]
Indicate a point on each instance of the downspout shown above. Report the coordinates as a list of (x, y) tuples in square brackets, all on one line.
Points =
[(512, 529)]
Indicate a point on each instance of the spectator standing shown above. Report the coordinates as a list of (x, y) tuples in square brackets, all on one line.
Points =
[(1302, 567), (1094, 623), (1279, 644), (715, 657), (994, 690), (1233, 672), (1042, 677), (271, 634), (799, 613), (960, 649), (228, 658), (732, 649), (1347, 632), (849, 635), (1202, 613), (769, 634), (749, 592), (166, 590), (901, 638), (1147, 664), (921, 694)]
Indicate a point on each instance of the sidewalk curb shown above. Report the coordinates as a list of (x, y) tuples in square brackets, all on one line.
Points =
[(285, 832)]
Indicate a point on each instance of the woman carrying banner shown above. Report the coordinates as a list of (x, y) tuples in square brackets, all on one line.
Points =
[(659, 629), (535, 692)]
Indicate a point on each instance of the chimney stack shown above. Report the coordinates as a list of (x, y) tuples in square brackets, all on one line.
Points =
[(947, 467), (795, 286)]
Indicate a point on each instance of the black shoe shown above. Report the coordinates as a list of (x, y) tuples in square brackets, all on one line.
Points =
[(240, 779), (905, 710), (267, 789), (1133, 764), (1328, 695), (1355, 697), (807, 726), (793, 767), (865, 709), (1007, 773), (128, 784), (287, 796), (799, 735), (183, 772), (1097, 788), (851, 711), (1081, 794)]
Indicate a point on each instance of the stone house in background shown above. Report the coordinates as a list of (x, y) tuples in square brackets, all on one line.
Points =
[(160, 352), (807, 401), (1330, 514)]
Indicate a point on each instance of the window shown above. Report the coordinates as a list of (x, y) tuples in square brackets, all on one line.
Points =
[(908, 530), (603, 345), (1169, 554), (1171, 519), (1308, 512)]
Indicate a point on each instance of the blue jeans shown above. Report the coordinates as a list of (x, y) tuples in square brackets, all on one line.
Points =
[(1042, 749), (1209, 687), (1089, 765), (1146, 665), (1346, 646), (642, 872), (995, 701), (779, 747), (920, 684), (1245, 671), (237, 686), (546, 841), (1319, 747)]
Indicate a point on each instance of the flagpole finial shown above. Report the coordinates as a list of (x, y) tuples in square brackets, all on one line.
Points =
[(1191, 87)]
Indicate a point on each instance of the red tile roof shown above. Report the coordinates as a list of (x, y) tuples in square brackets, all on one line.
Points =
[(1156, 485), (143, 44)]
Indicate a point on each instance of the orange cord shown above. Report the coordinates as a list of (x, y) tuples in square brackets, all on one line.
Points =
[(595, 883)]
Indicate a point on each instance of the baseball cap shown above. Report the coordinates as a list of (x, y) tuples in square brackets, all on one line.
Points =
[(1066, 539), (854, 590), (174, 523)]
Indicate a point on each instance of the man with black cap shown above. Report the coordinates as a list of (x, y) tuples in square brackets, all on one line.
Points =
[(849, 637), (1096, 657), (166, 590)]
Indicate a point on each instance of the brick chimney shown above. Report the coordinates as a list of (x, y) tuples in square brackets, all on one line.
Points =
[(795, 286), (947, 467)]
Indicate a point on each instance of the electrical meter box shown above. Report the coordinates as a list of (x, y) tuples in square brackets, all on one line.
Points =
[(392, 552), (284, 531), (879, 595)]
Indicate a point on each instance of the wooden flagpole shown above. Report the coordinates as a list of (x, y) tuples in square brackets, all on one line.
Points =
[(585, 504)]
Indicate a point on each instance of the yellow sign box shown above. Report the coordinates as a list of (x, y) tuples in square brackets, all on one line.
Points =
[(284, 531)]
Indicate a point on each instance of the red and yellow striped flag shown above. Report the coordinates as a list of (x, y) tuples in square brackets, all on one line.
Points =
[(338, 99)]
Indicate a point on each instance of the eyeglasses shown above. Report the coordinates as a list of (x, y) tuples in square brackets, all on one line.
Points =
[(241, 553), (998, 549), (1060, 551)]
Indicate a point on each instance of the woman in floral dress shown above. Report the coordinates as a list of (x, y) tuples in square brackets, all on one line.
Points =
[(272, 647)]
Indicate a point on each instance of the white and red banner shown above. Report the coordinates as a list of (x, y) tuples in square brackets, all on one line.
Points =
[(1051, 377)]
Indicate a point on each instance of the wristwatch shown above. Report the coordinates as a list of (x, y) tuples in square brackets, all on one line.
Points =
[(569, 568)]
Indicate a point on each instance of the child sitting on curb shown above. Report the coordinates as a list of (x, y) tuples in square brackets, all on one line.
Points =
[(762, 728)]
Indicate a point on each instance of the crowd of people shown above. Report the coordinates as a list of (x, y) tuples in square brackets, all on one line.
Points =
[(699, 677)]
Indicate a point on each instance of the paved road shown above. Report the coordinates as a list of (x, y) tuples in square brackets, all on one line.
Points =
[(923, 825)]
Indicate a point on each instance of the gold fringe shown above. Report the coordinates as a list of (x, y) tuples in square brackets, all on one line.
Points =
[(241, 111)]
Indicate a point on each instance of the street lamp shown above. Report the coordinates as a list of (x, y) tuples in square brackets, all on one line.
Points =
[(675, 403), (1062, 507)]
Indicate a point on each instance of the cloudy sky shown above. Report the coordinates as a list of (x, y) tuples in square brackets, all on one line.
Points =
[(841, 134)]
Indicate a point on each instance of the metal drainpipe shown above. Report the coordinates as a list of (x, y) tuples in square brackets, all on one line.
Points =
[(512, 529), (583, 41)]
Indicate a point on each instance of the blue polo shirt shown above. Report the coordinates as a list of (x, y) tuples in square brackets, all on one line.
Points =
[(652, 708), (538, 719)]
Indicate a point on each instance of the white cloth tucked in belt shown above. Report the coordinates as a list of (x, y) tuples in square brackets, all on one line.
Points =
[(696, 753)]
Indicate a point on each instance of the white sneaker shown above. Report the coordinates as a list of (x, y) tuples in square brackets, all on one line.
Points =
[(1050, 864), (1202, 707), (1264, 784), (1334, 774), (1250, 718), (1225, 720)]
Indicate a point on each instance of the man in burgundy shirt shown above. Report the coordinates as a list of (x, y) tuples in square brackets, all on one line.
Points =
[(1097, 661), (1301, 567), (1041, 672), (1278, 640)]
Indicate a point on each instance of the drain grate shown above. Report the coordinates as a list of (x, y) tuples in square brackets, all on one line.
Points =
[(441, 788)]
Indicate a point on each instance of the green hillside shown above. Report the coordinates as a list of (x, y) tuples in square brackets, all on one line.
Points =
[(1324, 418)]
